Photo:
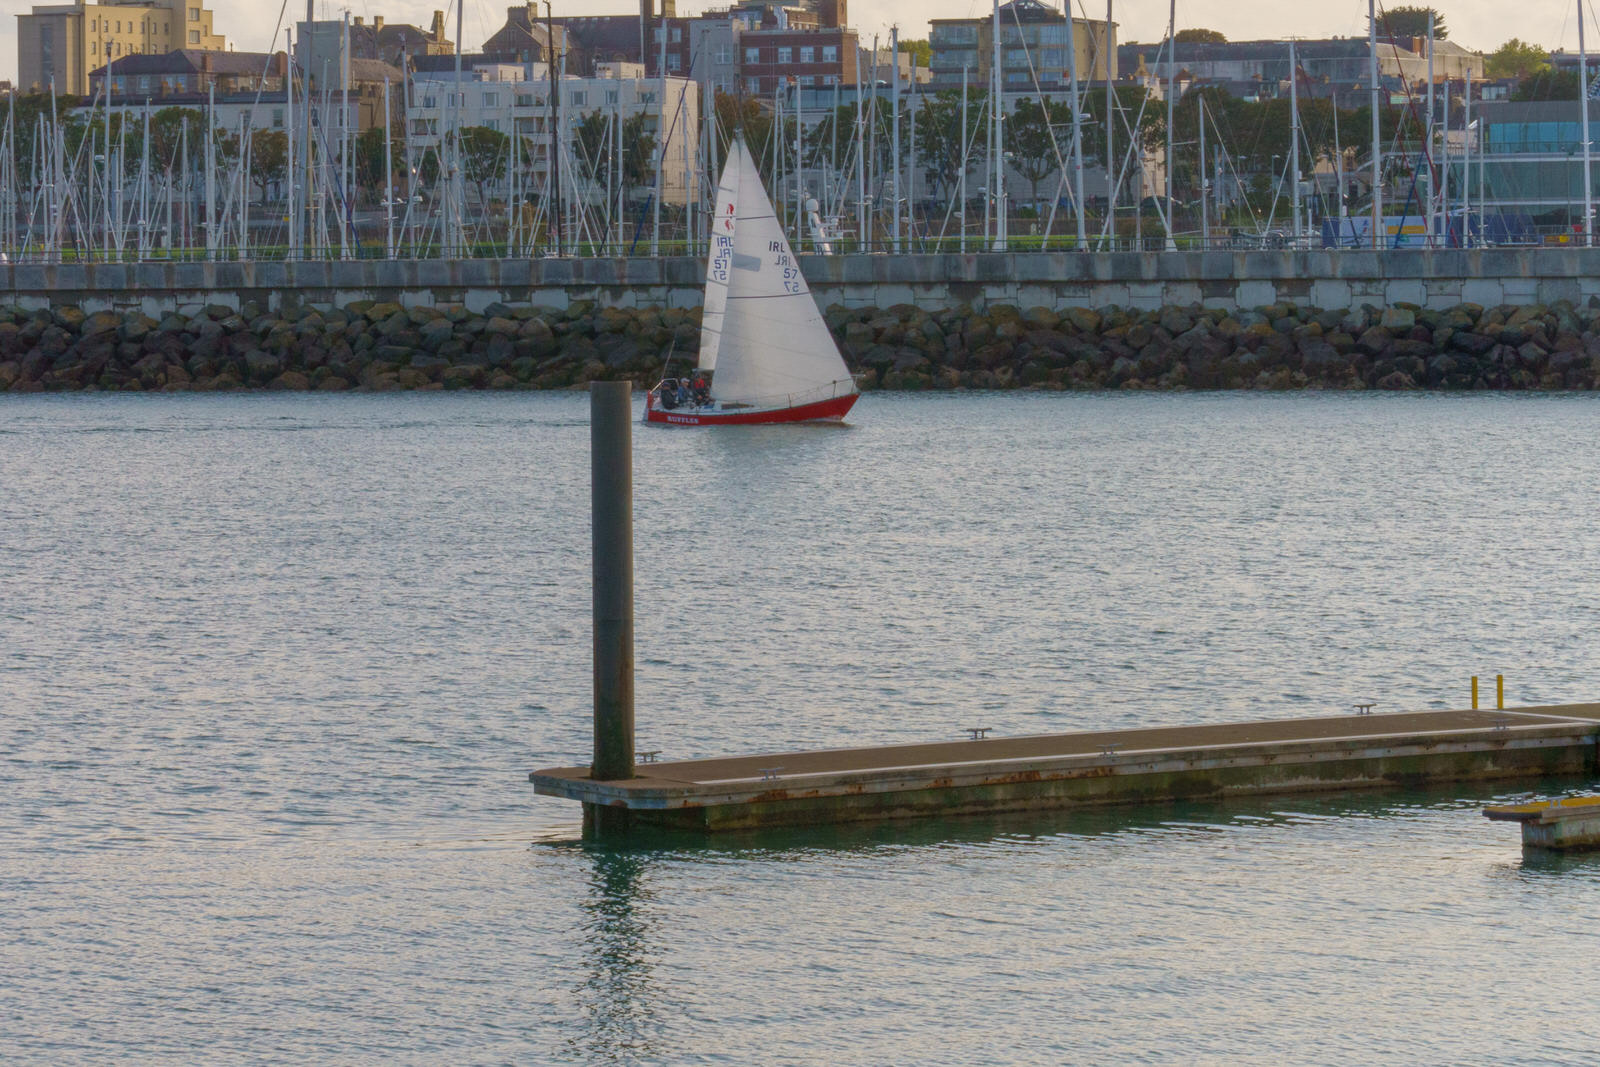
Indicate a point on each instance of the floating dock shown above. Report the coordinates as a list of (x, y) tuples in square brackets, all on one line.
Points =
[(1057, 771), (1562, 824), (623, 790)]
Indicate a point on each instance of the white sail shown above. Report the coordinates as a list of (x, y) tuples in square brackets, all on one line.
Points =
[(775, 349), (718, 265)]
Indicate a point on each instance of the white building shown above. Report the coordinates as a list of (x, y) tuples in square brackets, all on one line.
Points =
[(515, 97)]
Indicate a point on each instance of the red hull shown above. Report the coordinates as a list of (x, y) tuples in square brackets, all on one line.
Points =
[(831, 410)]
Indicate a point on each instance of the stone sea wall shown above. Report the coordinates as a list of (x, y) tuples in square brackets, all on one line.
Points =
[(386, 346)]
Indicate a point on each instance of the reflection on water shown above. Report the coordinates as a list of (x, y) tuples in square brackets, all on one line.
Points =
[(273, 670), (617, 996)]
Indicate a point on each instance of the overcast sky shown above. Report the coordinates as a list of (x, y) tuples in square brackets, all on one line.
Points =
[(1482, 24)]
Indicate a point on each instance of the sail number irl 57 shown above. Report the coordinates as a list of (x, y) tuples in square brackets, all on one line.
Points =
[(781, 258)]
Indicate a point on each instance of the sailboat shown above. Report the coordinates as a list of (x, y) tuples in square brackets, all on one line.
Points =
[(762, 339)]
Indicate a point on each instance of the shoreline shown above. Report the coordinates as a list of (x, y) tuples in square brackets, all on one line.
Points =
[(385, 347)]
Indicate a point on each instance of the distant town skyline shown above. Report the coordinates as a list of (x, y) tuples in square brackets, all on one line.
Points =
[(1476, 24)]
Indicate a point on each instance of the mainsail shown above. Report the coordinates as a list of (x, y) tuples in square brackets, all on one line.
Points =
[(718, 265), (773, 349)]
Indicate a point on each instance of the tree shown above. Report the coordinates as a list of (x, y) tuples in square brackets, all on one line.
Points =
[(1514, 59), (1547, 85), (595, 145), (269, 159), (943, 144), (1133, 111), (746, 114), (484, 155), (1409, 21), (1034, 151), (921, 50), (1199, 36), (372, 164), (167, 129)]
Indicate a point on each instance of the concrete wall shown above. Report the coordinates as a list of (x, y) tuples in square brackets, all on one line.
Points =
[(1440, 278)]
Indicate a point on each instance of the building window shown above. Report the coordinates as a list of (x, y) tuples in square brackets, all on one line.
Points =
[(491, 99), (752, 85), (786, 55), (752, 55), (808, 81), (492, 124), (723, 55), (677, 34), (430, 101), (194, 14), (611, 96), (576, 99), (674, 61), (808, 54), (830, 53), (194, 36), (277, 118)]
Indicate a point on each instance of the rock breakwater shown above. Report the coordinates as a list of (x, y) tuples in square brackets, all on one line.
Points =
[(381, 347)]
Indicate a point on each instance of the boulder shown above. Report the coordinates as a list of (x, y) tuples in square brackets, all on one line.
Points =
[(290, 379)]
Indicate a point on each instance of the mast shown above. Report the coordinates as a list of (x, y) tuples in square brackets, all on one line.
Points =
[(1205, 216), (106, 170), (911, 161), (1077, 127), (1583, 110), (211, 172), (894, 133), (999, 155), (1466, 168), (799, 172), (1427, 138), (553, 205), (1111, 128), (305, 163), (1377, 154), (861, 162), (348, 217), (1294, 144), (388, 172), (1338, 168), (245, 148), (661, 137), (1172, 102), (1444, 167), (294, 228), (455, 218), (961, 143)]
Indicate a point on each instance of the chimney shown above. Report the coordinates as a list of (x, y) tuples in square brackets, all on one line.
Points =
[(377, 22), (438, 27), (358, 20)]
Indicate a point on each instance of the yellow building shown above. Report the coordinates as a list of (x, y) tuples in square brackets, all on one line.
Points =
[(59, 44)]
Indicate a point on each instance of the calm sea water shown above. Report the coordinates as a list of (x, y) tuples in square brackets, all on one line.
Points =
[(273, 671)]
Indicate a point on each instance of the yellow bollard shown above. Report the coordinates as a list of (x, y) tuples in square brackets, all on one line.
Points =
[(1474, 692), (1500, 691)]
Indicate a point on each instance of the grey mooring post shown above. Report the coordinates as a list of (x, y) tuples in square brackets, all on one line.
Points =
[(611, 493)]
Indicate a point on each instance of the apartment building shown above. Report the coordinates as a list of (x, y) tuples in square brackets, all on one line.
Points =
[(502, 96), (58, 45), (1033, 49)]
